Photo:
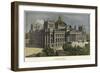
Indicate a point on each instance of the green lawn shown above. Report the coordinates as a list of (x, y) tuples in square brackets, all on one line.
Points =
[(30, 51)]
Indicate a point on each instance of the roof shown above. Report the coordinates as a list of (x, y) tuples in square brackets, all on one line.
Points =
[(75, 32)]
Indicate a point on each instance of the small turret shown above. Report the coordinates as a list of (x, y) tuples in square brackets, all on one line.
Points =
[(80, 28), (75, 27), (31, 27)]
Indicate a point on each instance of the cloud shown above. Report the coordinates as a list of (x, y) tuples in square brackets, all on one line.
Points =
[(40, 21), (68, 18)]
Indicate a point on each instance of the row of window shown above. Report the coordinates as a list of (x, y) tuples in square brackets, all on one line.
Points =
[(58, 35), (58, 40)]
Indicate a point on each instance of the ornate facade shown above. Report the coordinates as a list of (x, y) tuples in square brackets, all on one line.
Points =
[(55, 35)]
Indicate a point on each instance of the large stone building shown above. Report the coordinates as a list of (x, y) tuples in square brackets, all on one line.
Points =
[(35, 37), (55, 35)]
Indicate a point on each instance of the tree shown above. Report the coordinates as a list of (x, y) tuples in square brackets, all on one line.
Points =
[(76, 50), (49, 51)]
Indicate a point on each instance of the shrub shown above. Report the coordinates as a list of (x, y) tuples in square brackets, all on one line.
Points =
[(76, 50)]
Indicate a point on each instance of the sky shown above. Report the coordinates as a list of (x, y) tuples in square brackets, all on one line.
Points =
[(37, 17)]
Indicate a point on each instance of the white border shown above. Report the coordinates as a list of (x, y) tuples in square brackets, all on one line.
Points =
[(72, 60)]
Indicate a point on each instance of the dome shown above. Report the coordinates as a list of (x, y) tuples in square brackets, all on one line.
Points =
[(60, 22)]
